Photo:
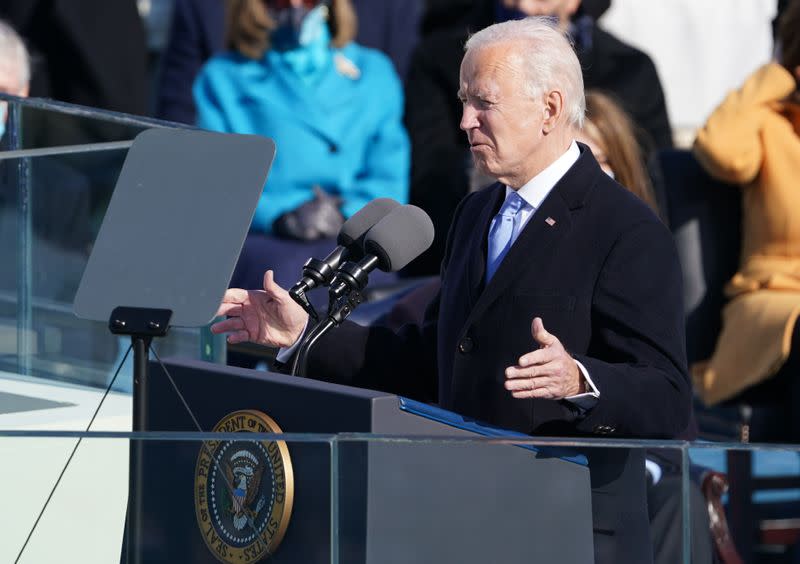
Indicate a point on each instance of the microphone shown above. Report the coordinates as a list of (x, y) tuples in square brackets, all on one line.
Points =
[(397, 239), (400, 237), (320, 272)]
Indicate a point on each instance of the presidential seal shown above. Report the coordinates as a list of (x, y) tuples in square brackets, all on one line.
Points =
[(243, 490)]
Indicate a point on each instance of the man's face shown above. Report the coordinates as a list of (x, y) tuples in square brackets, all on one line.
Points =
[(502, 122)]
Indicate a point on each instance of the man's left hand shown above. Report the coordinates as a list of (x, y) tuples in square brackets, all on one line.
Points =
[(549, 372)]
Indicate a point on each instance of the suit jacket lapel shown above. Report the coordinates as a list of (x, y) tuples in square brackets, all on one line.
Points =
[(477, 246), (532, 249), (539, 239)]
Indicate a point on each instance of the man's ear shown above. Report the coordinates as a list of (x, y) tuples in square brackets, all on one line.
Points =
[(553, 108)]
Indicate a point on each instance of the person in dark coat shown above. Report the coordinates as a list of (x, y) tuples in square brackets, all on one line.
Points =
[(59, 208), (91, 52), (554, 257), (441, 173), (197, 33)]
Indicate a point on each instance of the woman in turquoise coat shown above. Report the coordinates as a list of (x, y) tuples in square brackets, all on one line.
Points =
[(334, 109)]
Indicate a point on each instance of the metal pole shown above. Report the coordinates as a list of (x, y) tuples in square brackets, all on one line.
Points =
[(141, 346)]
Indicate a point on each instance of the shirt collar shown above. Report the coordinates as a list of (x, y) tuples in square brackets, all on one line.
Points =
[(538, 187)]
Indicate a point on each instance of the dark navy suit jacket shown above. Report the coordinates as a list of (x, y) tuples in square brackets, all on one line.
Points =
[(602, 272)]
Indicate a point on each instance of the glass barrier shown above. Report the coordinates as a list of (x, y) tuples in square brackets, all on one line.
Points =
[(195, 501), (355, 497), (375, 499), (48, 125), (58, 167), (302, 498)]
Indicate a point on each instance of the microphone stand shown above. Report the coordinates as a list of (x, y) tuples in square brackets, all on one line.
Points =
[(316, 273), (345, 295)]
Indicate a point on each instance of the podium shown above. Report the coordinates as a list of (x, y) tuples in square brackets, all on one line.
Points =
[(348, 500)]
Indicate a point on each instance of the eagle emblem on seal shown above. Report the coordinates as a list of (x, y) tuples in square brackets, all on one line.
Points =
[(243, 489)]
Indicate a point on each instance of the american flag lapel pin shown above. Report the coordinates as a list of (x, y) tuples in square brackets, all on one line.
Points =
[(550, 221)]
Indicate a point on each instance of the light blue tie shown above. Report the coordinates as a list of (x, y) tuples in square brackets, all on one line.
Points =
[(503, 232)]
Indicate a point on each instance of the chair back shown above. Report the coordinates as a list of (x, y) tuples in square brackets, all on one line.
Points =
[(705, 217)]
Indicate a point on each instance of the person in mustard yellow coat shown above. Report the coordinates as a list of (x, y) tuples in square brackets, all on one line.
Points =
[(753, 139)]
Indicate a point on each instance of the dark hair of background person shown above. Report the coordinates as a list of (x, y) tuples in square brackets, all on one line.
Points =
[(789, 35), (617, 134), (249, 25)]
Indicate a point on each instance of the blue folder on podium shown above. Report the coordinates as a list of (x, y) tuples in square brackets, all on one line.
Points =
[(484, 429), (439, 497)]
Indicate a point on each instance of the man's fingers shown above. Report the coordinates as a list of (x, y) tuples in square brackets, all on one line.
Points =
[(539, 392), (541, 387), (238, 337), (271, 287), (228, 308), (514, 372), (228, 325), (540, 356), (521, 384), (235, 295), (540, 334)]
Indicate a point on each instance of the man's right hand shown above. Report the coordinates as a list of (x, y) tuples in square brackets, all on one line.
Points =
[(268, 317)]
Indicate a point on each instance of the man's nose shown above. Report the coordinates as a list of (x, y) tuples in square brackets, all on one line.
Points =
[(469, 118)]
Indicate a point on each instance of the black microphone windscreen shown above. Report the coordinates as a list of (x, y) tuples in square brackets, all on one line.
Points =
[(363, 220), (400, 237)]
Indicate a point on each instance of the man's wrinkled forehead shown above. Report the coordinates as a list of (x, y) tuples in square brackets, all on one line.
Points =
[(491, 63)]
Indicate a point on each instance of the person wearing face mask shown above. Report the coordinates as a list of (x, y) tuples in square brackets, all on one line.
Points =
[(197, 32), (334, 109)]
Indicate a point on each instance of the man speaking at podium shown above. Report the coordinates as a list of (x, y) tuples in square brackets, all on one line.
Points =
[(560, 310)]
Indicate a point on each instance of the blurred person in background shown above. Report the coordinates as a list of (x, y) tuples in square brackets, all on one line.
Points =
[(197, 33), (91, 52), (15, 68), (753, 140), (611, 135), (60, 202), (441, 171), (334, 109)]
